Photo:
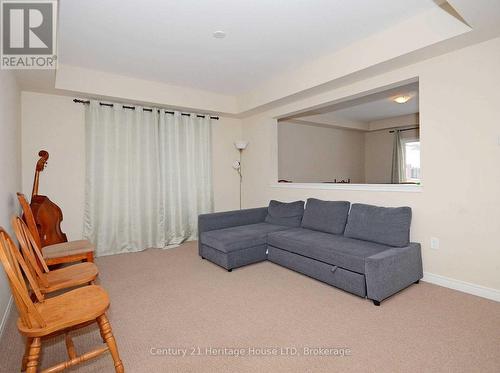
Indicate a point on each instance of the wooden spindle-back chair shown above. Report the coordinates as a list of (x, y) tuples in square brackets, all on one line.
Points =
[(57, 315), (49, 280), (66, 252)]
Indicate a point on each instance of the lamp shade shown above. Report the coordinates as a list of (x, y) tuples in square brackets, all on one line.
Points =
[(241, 144)]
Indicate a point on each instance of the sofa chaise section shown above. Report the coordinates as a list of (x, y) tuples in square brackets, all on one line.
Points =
[(222, 221), (236, 238), (237, 246)]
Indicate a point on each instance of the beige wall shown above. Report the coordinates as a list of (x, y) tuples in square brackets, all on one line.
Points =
[(378, 154), (10, 162), (315, 153), (225, 178), (106, 84), (309, 153), (56, 124), (460, 124)]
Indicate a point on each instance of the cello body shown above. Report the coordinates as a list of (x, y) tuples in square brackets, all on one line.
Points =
[(48, 216)]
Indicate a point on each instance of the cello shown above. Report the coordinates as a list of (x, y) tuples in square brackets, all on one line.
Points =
[(48, 216)]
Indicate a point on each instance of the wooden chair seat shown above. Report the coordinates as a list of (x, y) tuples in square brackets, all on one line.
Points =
[(67, 249), (71, 276), (46, 280), (69, 252), (69, 310), (65, 252)]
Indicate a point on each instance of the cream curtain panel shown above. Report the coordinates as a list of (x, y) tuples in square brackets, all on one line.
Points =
[(398, 160), (148, 176)]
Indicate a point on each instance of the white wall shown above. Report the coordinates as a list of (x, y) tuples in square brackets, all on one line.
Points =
[(10, 166), (400, 121), (315, 154), (56, 124), (424, 29), (460, 126)]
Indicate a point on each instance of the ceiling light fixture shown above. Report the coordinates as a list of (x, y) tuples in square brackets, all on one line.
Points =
[(219, 34), (402, 99)]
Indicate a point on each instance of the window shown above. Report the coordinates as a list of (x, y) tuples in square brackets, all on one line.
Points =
[(412, 161)]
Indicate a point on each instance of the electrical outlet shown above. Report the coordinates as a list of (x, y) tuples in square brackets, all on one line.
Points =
[(434, 243)]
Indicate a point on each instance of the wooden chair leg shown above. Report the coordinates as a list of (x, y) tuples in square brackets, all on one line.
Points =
[(90, 257), (102, 335), (26, 353), (70, 347), (33, 355), (107, 335)]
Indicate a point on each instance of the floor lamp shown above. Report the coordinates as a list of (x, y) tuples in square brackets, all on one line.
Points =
[(240, 145)]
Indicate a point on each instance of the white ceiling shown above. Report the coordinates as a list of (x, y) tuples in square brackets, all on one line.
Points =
[(369, 108), (171, 41)]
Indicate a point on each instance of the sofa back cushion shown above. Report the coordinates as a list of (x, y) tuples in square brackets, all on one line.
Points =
[(384, 225), (326, 216), (286, 214)]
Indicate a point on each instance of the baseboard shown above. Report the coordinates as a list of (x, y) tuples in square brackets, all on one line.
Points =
[(465, 287), (5, 317)]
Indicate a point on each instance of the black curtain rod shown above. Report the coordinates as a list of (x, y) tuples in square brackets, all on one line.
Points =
[(133, 108), (406, 129)]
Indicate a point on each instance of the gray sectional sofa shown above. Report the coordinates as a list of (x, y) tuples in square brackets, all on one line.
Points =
[(362, 249)]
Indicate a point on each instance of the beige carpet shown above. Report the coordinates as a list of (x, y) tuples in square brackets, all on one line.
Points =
[(173, 299)]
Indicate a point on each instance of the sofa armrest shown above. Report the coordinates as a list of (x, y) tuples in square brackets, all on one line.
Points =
[(392, 270), (227, 219)]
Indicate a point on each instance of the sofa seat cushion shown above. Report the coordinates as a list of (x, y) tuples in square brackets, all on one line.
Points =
[(240, 237), (336, 250)]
